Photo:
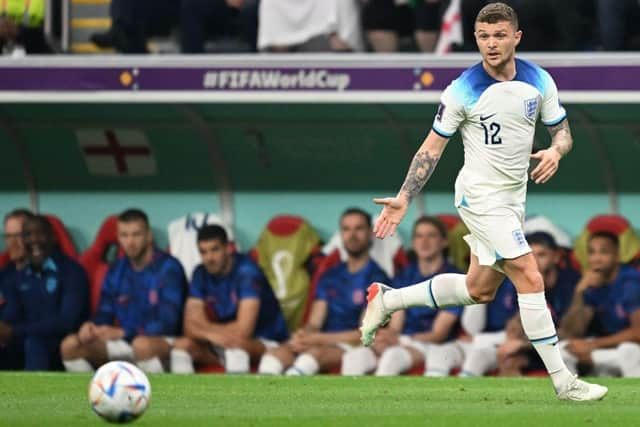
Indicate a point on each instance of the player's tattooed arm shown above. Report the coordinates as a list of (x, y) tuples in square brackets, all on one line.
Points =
[(561, 139), (421, 169)]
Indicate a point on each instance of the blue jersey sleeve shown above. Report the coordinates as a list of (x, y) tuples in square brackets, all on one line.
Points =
[(590, 297), (457, 311), (106, 311), (166, 316), (321, 288), (250, 285), (631, 298), (71, 312), (198, 282)]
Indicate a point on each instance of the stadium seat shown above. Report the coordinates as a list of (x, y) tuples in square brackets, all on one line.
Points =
[(459, 252), (4, 259), (95, 259), (63, 238), (183, 234), (283, 251), (615, 224)]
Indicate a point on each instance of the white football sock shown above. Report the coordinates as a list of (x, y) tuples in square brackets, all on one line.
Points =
[(270, 365), (441, 358), (119, 350), (358, 361), (479, 361), (77, 365), (151, 366), (394, 361), (236, 361), (474, 318), (629, 357), (305, 364), (444, 290), (538, 325), (181, 362)]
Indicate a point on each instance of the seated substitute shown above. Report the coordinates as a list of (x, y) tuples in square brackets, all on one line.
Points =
[(602, 324), (140, 307), (46, 300), (406, 342), (332, 327), (516, 355), (232, 314)]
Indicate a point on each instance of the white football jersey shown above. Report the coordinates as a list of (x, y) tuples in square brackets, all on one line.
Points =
[(497, 122)]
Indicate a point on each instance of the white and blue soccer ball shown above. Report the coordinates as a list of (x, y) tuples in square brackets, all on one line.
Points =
[(119, 392)]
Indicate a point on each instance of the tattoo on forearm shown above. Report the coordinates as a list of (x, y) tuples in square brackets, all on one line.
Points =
[(422, 166), (561, 138)]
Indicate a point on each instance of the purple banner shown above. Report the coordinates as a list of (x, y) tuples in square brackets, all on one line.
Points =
[(332, 79)]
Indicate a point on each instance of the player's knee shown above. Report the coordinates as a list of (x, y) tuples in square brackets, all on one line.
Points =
[(186, 344), (70, 347), (482, 295), (142, 348)]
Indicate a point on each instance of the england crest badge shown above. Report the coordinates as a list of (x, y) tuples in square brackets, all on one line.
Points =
[(531, 108)]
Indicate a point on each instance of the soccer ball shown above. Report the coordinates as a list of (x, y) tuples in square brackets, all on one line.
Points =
[(119, 392)]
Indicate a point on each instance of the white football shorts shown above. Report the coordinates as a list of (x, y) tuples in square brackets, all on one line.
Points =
[(495, 235)]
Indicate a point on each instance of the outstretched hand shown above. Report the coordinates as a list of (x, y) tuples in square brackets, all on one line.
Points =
[(394, 209), (548, 166)]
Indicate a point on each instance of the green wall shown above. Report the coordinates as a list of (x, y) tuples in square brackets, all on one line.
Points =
[(312, 160)]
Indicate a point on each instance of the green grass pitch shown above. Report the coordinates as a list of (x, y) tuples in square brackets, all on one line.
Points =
[(56, 399)]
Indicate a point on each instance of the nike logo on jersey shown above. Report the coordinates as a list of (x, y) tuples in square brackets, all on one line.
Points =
[(483, 118)]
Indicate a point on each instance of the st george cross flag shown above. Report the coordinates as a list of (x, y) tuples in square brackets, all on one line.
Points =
[(116, 152)]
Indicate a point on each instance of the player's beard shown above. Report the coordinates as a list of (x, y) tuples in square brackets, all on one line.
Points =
[(357, 252)]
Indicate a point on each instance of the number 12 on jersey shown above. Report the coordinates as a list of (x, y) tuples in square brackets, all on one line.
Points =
[(491, 133)]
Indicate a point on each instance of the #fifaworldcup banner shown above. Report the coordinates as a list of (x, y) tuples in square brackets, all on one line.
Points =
[(241, 77)]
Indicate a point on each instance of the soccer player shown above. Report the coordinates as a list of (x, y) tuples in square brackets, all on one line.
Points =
[(412, 333), (48, 298), (495, 104), (11, 356), (607, 299), (332, 328), (140, 307), (244, 315), (514, 355)]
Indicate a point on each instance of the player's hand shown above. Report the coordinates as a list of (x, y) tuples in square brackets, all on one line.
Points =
[(394, 209), (590, 279), (87, 333), (548, 166), (581, 349)]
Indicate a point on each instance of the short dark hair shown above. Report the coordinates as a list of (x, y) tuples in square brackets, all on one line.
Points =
[(41, 221), (432, 220), (357, 211), (133, 214), (213, 232), (18, 213), (542, 238), (606, 235), (498, 12)]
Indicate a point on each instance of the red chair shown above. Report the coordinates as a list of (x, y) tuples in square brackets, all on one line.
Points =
[(63, 238), (95, 261), (614, 224)]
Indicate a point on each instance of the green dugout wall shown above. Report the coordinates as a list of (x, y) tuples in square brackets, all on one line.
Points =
[(312, 160)]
